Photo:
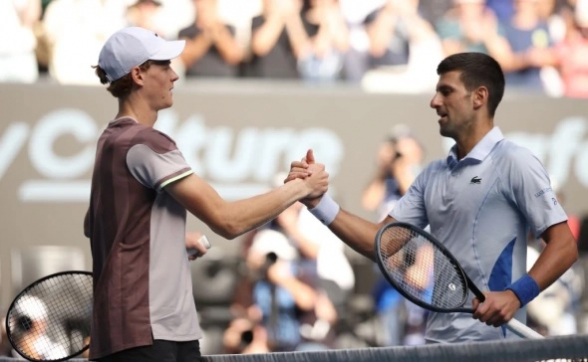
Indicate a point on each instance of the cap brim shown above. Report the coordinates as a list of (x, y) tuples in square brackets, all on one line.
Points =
[(170, 50)]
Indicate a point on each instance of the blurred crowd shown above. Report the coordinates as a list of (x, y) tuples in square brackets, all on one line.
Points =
[(384, 45)]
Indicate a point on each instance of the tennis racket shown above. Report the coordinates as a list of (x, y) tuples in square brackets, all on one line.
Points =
[(427, 274), (50, 319)]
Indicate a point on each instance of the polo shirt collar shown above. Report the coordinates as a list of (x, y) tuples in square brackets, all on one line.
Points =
[(481, 150)]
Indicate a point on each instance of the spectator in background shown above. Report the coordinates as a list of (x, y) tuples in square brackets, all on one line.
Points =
[(278, 40), (433, 10), (525, 32), (17, 48), (503, 9), (399, 161), (571, 55), (471, 27), (356, 62), (283, 293), (319, 249), (211, 49), (76, 30), (329, 37), (143, 14), (404, 49)]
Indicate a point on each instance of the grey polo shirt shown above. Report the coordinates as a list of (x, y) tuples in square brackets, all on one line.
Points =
[(482, 208)]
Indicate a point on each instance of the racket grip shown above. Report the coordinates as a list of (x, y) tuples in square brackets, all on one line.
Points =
[(522, 330), (202, 240)]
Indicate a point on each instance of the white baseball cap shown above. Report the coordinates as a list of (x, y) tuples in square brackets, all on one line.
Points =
[(133, 46)]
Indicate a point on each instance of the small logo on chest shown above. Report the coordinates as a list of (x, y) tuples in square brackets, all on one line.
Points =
[(476, 180)]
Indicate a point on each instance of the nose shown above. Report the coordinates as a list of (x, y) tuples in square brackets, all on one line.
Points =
[(435, 101), (174, 76)]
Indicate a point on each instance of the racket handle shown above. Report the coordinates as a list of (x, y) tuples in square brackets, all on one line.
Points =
[(522, 330), (202, 240)]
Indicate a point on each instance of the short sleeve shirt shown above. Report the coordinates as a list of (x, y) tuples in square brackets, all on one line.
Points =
[(142, 281), (482, 208)]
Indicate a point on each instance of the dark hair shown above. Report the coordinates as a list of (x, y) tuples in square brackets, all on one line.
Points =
[(477, 69), (121, 87), (24, 323)]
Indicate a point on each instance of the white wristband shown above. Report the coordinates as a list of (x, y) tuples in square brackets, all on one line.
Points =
[(326, 210)]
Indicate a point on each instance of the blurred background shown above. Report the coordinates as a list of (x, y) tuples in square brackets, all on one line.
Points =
[(261, 82)]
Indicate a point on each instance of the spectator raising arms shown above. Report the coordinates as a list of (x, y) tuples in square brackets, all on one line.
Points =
[(211, 48)]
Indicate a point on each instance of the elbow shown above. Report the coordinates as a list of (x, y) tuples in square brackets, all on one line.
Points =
[(228, 230), (234, 59), (306, 302), (259, 49)]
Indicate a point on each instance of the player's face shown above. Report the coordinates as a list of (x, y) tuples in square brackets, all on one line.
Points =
[(453, 104), (159, 82)]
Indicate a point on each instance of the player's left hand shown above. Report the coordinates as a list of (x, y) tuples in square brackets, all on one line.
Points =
[(497, 309), (193, 242)]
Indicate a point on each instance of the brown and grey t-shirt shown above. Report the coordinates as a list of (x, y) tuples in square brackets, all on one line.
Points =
[(142, 281)]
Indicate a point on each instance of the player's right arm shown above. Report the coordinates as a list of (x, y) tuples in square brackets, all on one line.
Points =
[(358, 233), (231, 219)]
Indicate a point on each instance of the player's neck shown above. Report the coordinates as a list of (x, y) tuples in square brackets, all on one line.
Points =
[(137, 109), (470, 138)]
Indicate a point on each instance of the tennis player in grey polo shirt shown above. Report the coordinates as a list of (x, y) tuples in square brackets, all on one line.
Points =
[(481, 202)]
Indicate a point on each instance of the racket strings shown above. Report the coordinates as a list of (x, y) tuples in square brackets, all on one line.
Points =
[(51, 320), (421, 269)]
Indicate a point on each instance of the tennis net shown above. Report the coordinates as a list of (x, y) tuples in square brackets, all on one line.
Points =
[(563, 348)]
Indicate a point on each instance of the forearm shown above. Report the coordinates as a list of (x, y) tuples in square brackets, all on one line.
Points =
[(31, 13), (265, 38), (500, 49), (226, 44), (557, 257), (244, 215), (304, 296), (307, 247), (340, 35), (373, 195), (404, 177), (356, 232), (195, 49), (380, 34), (231, 219), (299, 40)]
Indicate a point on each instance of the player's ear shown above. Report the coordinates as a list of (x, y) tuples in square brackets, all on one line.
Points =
[(137, 76), (480, 97)]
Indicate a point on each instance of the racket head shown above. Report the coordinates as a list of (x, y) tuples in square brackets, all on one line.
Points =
[(421, 268), (50, 319)]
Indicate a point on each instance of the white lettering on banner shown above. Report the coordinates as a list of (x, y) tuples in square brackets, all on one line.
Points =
[(11, 143), (556, 151), (228, 158), (48, 130), (258, 154)]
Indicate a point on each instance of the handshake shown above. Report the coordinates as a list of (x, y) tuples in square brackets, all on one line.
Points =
[(312, 175)]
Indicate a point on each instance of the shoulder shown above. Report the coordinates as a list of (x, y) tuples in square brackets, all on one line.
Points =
[(510, 155), (431, 170), (434, 167), (517, 164), (157, 141)]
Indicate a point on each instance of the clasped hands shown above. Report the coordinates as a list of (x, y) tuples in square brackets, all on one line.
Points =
[(313, 174)]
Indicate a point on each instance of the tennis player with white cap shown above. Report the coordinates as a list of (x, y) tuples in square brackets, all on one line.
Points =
[(141, 188)]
